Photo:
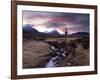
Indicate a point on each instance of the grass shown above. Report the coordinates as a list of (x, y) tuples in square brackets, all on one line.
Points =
[(36, 53)]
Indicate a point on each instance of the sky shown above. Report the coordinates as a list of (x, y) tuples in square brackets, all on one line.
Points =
[(49, 21)]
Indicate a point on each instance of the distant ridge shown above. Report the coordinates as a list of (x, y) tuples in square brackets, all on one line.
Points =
[(53, 33), (80, 34), (29, 29)]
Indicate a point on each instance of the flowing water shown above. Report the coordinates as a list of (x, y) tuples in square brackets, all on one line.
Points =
[(59, 55)]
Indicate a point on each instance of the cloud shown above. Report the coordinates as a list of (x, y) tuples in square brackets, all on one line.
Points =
[(57, 20), (54, 25)]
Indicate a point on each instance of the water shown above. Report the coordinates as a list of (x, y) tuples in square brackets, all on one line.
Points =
[(60, 54), (52, 62)]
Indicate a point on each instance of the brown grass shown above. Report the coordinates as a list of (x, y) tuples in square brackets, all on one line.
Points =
[(37, 53)]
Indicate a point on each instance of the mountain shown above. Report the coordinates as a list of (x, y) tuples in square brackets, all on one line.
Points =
[(53, 33), (28, 29), (29, 32), (80, 34)]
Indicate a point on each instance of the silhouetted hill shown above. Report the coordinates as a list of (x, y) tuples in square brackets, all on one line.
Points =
[(29, 29), (80, 34), (53, 33)]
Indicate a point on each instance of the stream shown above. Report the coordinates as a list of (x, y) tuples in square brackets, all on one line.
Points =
[(61, 51), (59, 55)]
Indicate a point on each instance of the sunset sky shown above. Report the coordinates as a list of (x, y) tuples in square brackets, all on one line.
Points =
[(49, 21)]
